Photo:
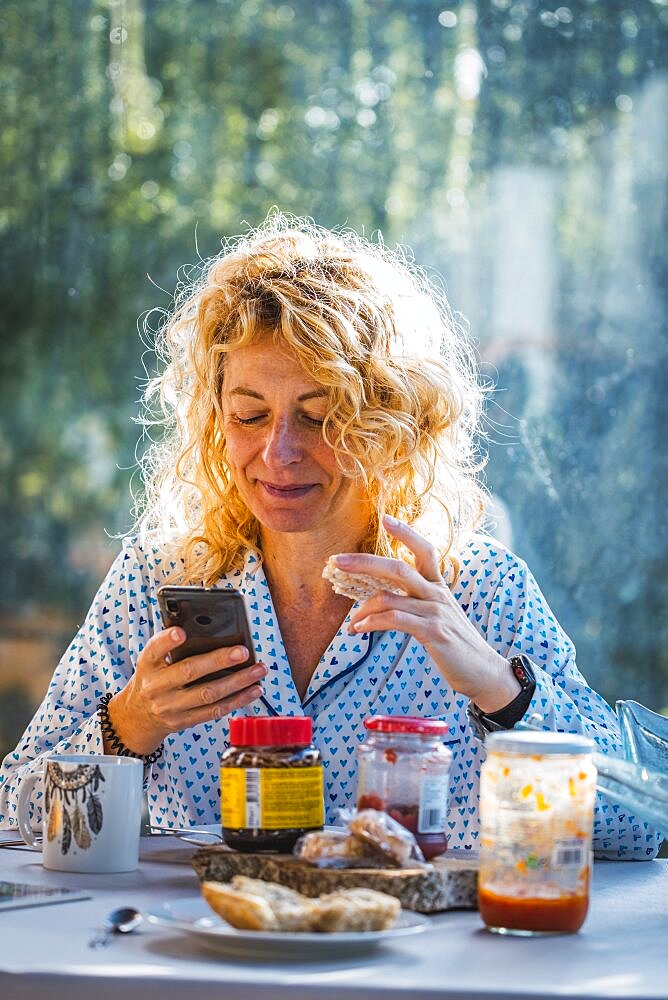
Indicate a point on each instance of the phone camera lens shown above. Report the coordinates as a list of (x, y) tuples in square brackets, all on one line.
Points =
[(173, 607), (203, 619)]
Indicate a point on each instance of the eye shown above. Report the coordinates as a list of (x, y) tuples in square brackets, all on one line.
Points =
[(249, 421), (313, 421)]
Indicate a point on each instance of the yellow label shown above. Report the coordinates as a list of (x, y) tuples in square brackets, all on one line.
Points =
[(271, 798), (233, 797)]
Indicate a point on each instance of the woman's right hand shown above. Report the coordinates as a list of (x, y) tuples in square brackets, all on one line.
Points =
[(155, 701)]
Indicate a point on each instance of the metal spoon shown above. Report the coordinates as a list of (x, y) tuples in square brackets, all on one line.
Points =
[(121, 921), (190, 835)]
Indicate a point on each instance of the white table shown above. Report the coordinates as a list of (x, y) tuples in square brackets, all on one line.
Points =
[(622, 950)]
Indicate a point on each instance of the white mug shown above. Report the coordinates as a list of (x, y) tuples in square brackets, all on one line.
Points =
[(91, 812)]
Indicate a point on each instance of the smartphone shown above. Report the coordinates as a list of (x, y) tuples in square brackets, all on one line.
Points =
[(211, 619)]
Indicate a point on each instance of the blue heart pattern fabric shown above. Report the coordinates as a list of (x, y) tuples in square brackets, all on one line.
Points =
[(357, 676)]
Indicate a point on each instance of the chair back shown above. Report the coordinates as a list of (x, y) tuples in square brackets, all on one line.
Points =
[(644, 735)]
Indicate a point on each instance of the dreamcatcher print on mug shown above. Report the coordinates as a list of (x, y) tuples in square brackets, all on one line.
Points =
[(72, 805)]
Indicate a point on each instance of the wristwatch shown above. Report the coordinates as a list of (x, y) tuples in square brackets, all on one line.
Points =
[(483, 723)]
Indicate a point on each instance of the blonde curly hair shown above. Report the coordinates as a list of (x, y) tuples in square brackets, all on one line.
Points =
[(404, 400)]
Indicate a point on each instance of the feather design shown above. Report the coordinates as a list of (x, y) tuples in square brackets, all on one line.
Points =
[(55, 819), (80, 829), (66, 842), (94, 810)]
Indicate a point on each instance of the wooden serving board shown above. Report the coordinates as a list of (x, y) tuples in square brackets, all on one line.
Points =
[(451, 882)]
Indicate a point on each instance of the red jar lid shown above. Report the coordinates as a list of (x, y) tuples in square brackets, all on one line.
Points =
[(284, 730), (406, 724)]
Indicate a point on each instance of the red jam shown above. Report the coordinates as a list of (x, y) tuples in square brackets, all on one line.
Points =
[(371, 802), (561, 915)]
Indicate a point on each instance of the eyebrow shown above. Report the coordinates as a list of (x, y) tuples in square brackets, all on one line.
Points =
[(241, 390)]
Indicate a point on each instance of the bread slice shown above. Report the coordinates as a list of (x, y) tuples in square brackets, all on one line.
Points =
[(356, 910), (255, 905), (251, 904), (358, 587), (249, 913)]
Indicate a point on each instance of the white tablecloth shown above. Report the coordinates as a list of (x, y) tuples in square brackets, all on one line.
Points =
[(622, 950)]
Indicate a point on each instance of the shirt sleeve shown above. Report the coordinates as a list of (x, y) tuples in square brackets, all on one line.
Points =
[(100, 659), (521, 621)]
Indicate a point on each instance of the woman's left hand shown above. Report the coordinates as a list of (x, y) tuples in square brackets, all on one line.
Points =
[(430, 613)]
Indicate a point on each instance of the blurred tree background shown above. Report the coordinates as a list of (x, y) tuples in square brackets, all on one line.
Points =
[(518, 146)]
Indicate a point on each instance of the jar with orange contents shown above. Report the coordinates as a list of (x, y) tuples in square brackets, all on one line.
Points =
[(537, 793)]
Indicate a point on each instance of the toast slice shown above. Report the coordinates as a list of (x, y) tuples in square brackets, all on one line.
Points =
[(356, 910), (254, 905), (358, 587)]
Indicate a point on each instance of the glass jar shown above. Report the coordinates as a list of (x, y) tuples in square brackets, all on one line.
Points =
[(271, 783), (404, 770), (537, 793)]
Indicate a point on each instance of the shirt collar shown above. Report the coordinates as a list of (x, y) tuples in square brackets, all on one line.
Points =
[(345, 654)]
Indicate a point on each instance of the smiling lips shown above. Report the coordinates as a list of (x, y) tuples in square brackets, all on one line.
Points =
[(293, 492)]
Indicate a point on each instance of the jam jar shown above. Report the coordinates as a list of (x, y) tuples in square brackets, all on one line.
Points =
[(537, 793), (271, 783), (404, 770)]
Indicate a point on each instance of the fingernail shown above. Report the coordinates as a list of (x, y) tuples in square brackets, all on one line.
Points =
[(344, 560), (238, 653), (258, 671), (391, 521), (177, 635)]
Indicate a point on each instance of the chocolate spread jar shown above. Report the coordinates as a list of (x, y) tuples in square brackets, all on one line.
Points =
[(271, 783)]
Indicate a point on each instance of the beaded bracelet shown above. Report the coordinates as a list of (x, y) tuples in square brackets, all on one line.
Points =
[(108, 730)]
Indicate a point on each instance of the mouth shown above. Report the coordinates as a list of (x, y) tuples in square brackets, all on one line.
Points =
[(292, 492)]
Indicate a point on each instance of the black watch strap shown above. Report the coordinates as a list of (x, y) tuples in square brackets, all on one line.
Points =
[(507, 716)]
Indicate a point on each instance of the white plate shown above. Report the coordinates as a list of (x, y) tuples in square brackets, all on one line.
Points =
[(195, 917)]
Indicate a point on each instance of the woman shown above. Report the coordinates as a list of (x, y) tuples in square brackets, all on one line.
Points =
[(318, 399)]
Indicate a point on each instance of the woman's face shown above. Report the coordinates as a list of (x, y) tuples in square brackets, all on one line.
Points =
[(284, 470)]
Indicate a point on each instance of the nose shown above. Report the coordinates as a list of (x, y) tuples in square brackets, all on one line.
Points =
[(283, 446)]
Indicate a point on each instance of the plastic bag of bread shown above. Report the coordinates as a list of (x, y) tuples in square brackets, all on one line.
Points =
[(337, 849), (372, 839), (385, 836)]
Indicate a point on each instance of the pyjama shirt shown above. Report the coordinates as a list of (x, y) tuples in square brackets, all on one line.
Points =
[(387, 673)]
